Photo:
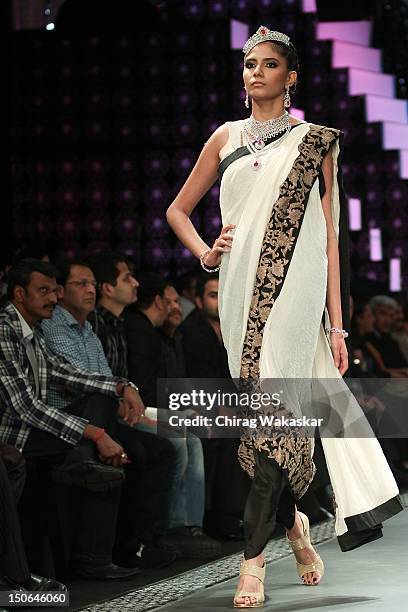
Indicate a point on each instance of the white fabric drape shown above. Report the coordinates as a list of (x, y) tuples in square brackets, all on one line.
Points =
[(294, 344)]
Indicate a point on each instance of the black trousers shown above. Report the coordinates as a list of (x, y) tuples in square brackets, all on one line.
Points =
[(226, 484), (13, 561), (145, 494), (270, 500), (97, 511), (140, 507)]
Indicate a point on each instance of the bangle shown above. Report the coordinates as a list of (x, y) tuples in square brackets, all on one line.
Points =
[(125, 384), (337, 330), (131, 385), (204, 267), (98, 436)]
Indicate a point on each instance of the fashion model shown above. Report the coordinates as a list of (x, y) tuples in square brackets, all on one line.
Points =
[(282, 256)]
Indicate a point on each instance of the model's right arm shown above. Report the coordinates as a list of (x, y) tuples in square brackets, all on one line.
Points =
[(201, 179)]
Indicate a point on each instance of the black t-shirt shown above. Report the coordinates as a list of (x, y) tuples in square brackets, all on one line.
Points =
[(204, 354)]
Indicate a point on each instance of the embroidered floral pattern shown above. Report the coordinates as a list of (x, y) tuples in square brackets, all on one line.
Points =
[(293, 453)]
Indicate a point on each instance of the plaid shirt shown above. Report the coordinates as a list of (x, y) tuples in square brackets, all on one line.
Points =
[(111, 332), (20, 409), (78, 344)]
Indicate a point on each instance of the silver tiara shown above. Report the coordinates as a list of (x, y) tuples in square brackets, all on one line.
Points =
[(262, 35)]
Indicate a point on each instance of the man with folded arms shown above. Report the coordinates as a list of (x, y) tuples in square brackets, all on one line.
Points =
[(74, 442)]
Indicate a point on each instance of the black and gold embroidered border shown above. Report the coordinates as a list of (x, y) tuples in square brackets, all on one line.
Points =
[(293, 451), (280, 240)]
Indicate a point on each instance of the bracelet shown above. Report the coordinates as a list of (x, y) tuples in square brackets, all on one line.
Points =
[(125, 384), (98, 436), (131, 385), (204, 267), (337, 330)]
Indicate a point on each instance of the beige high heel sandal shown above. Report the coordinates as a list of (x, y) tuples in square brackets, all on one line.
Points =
[(304, 542), (247, 569)]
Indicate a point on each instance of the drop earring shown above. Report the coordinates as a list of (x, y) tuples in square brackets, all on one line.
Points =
[(246, 100), (286, 99)]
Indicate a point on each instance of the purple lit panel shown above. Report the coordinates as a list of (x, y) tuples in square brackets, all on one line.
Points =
[(298, 112), (355, 214), (395, 274), (375, 245), (386, 109), (349, 55), (403, 159), (366, 82), (239, 34), (395, 136), (309, 6), (357, 32)]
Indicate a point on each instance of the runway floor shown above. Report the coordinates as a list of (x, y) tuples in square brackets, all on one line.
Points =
[(371, 579)]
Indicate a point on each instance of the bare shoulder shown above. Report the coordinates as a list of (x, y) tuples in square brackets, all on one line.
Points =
[(295, 121), (219, 138)]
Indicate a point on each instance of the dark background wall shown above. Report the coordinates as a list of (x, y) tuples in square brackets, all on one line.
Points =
[(110, 110)]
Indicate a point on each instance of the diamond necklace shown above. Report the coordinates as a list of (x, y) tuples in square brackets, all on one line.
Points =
[(258, 132)]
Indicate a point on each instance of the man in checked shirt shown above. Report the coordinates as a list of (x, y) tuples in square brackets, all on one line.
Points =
[(75, 440)]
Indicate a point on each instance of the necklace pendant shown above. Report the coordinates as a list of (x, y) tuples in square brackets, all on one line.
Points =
[(259, 144)]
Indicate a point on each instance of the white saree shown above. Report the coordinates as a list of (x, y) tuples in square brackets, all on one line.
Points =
[(272, 298)]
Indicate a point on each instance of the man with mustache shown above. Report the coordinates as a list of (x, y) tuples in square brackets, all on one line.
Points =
[(74, 443)]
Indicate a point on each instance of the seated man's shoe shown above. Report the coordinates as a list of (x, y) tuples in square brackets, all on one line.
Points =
[(38, 583), (235, 532), (162, 542), (193, 543), (110, 571), (35, 583), (319, 514), (89, 474), (224, 527), (146, 556)]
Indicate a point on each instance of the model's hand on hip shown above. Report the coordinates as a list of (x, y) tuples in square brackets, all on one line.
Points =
[(222, 244), (339, 351)]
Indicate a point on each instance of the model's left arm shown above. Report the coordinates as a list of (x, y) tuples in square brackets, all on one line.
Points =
[(333, 297)]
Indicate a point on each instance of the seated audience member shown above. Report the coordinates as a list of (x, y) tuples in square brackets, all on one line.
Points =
[(186, 287), (188, 500), (117, 289), (146, 489), (142, 321), (366, 360), (75, 439), (14, 570), (204, 350), (227, 485), (186, 506), (385, 310), (173, 363), (372, 344), (400, 331)]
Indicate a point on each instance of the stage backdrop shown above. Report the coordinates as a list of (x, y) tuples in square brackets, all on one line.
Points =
[(106, 127)]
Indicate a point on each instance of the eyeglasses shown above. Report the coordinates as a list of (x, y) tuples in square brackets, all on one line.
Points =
[(82, 283)]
